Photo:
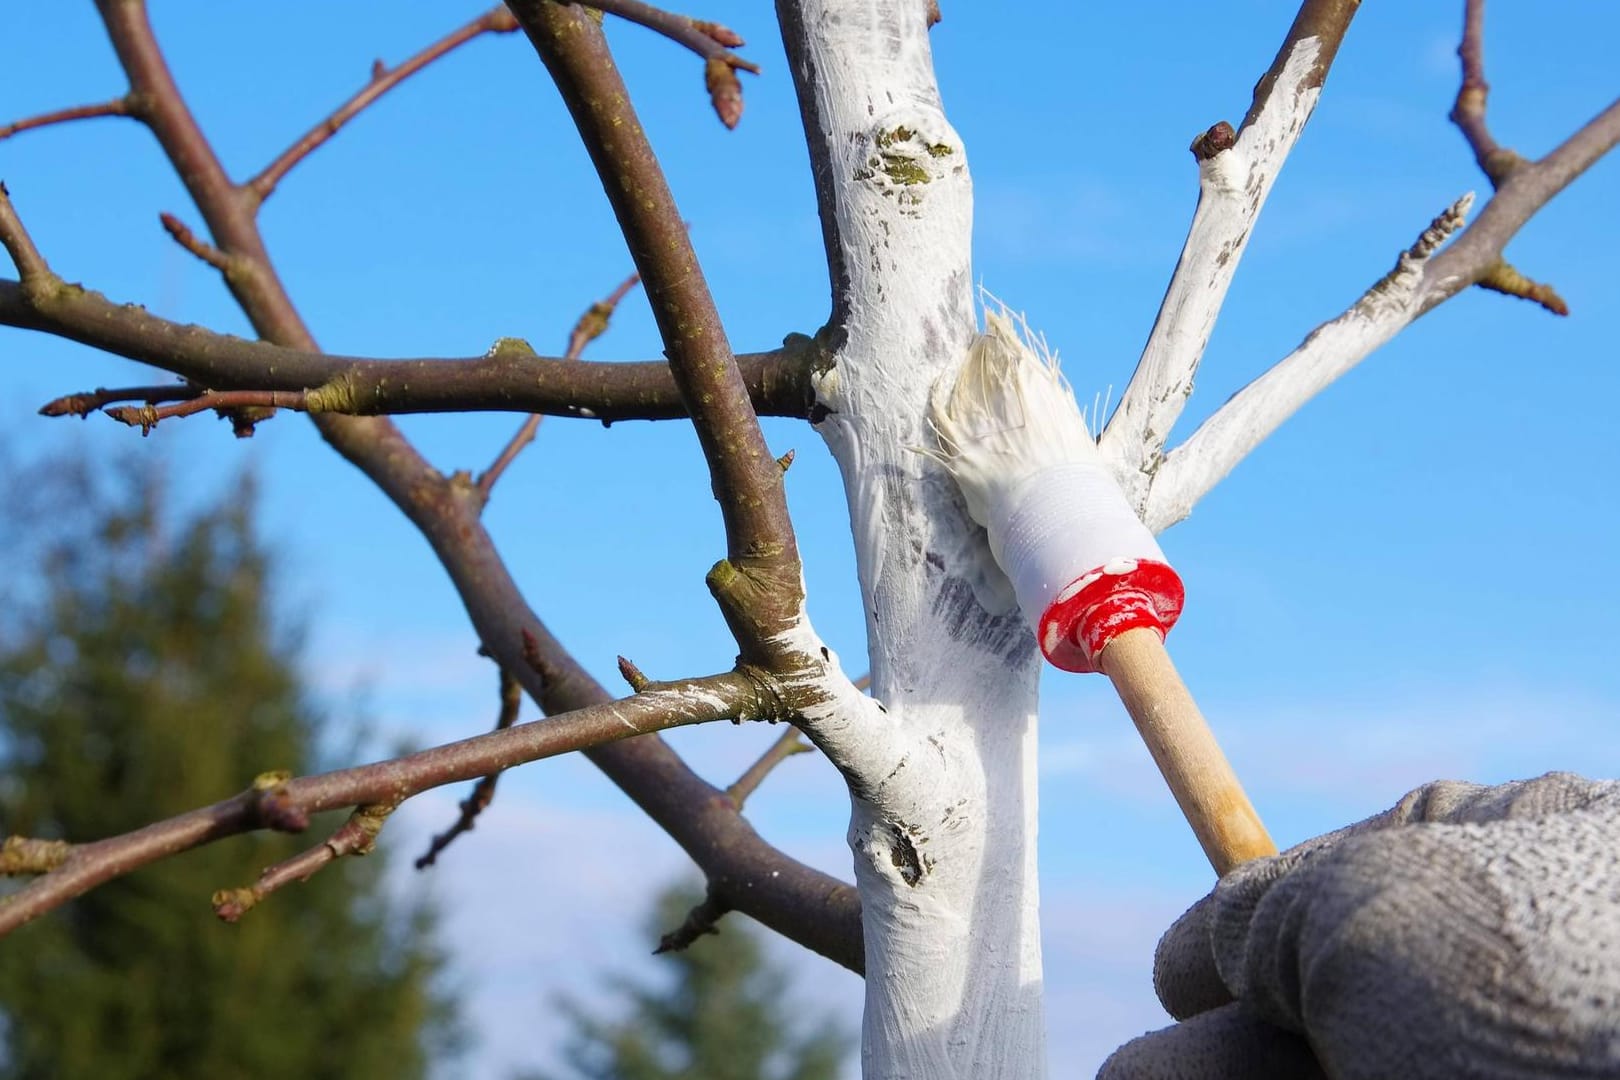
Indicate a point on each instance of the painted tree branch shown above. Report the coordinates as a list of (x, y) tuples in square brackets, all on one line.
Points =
[(669, 705), (497, 20), (1236, 171), (1424, 278), (1211, 452), (803, 904)]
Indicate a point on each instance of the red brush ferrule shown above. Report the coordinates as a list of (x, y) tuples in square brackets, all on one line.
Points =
[(1125, 594)]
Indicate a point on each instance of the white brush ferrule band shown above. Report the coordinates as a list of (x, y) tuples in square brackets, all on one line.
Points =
[(1060, 524)]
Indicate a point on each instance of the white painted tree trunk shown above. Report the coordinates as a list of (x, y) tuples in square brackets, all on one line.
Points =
[(944, 780), (944, 819)]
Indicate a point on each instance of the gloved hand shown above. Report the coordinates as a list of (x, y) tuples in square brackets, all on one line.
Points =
[(1468, 932)]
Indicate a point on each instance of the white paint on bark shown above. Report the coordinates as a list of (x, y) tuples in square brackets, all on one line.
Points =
[(943, 781), (1211, 452), (1233, 185)]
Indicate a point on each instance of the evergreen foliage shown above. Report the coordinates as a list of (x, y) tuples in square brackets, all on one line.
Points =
[(724, 1015), (142, 674)]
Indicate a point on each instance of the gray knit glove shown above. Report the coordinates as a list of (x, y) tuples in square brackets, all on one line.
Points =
[(1468, 932)]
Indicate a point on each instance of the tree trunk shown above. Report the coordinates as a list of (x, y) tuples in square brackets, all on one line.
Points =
[(945, 842)]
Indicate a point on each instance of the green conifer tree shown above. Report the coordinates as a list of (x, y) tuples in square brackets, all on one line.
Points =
[(142, 674), (724, 1015)]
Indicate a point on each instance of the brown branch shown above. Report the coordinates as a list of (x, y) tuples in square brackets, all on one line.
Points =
[(1476, 253), (495, 21), (806, 905), (356, 836), (501, 380), (189, 240), (784, 747), (594, 322), (483, 792), (1468, 113), (31, 266), (699, 922), (89, 401), (286, 803), (591, 325), (762, 553), (122, 106), (224, 402), (514, 446), (709, 40)]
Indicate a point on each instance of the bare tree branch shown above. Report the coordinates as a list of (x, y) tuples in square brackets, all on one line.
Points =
[(590, 326), (120, 106), (37, 279), (222, 402), (356, 836), (1468, 113), (786, 745), (1236, 171), (695, 701), (1524, 191), (807, 906), (497, 20), (700, 921), (762, 553), (508, 378), (483, 792), (709, 40), (182, 234)]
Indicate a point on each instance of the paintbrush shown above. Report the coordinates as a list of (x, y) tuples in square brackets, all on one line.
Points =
[(1089, 575)]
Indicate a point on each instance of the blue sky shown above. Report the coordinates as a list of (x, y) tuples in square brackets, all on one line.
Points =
[(1413, 579)]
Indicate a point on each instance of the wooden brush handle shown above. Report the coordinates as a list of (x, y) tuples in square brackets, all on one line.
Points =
[(1185, 750)]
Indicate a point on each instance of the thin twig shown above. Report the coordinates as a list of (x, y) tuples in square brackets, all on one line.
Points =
[(195, 244), (591, 325), (286, 804), (31, 266), (121, 106), (1468, 113), (356, 836), (483, 792), (497, 20), (709, 40), (786, 746), (699, 922), (89, 401), (146, 417)]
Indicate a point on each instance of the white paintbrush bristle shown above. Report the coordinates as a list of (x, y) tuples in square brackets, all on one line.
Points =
[(1009, 414)]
